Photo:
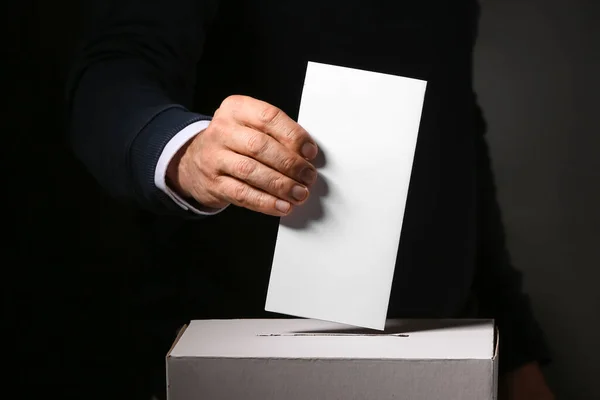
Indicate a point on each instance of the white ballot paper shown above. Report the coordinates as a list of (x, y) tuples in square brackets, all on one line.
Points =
[(335, 256)]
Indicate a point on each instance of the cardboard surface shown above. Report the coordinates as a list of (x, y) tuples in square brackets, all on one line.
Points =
[(297, 359), (335, 256), (302, 338)]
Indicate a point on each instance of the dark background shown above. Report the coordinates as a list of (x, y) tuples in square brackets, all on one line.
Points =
[(69, 249), (537, 66)]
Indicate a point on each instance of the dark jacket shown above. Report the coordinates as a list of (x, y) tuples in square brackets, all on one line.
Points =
[(149, 68)]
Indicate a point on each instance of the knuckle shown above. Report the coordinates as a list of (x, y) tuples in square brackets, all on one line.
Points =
[(269, 115), (288, 163), (260, 201), (296, 135), (240, 193), (218, 126), (219, 111), (244, 168), (232, 102), (257, 143), (276, 184)]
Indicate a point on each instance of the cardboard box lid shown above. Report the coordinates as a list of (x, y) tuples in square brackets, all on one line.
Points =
[(310, 339)]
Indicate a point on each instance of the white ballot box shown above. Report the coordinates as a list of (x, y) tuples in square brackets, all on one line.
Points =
[(303, 359)]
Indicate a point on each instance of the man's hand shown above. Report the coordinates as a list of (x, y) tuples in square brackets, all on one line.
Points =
[(252, 155), (525, 383)]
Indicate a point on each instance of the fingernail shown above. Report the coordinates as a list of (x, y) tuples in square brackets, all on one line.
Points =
[(309, 151), (299, 192), (282, 206), (308, 176)]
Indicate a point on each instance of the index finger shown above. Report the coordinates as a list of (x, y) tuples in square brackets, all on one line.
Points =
[(274, 122)]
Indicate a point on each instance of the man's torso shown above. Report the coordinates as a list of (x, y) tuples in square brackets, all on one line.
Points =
[(261, 49)]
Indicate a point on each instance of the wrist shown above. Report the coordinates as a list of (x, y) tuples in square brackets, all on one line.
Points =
[(175, 171)]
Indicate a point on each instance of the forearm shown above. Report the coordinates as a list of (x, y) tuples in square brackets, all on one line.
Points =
[(128, 92)]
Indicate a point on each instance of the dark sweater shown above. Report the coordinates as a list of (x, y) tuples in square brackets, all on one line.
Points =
[(149, 68)]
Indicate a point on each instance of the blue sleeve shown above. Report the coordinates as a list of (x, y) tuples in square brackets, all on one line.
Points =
[(130, 88)]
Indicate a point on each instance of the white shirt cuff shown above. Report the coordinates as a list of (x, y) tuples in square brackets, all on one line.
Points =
[(165, 158)]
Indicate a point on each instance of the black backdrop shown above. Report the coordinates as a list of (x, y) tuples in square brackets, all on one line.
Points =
[(66, 244)]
